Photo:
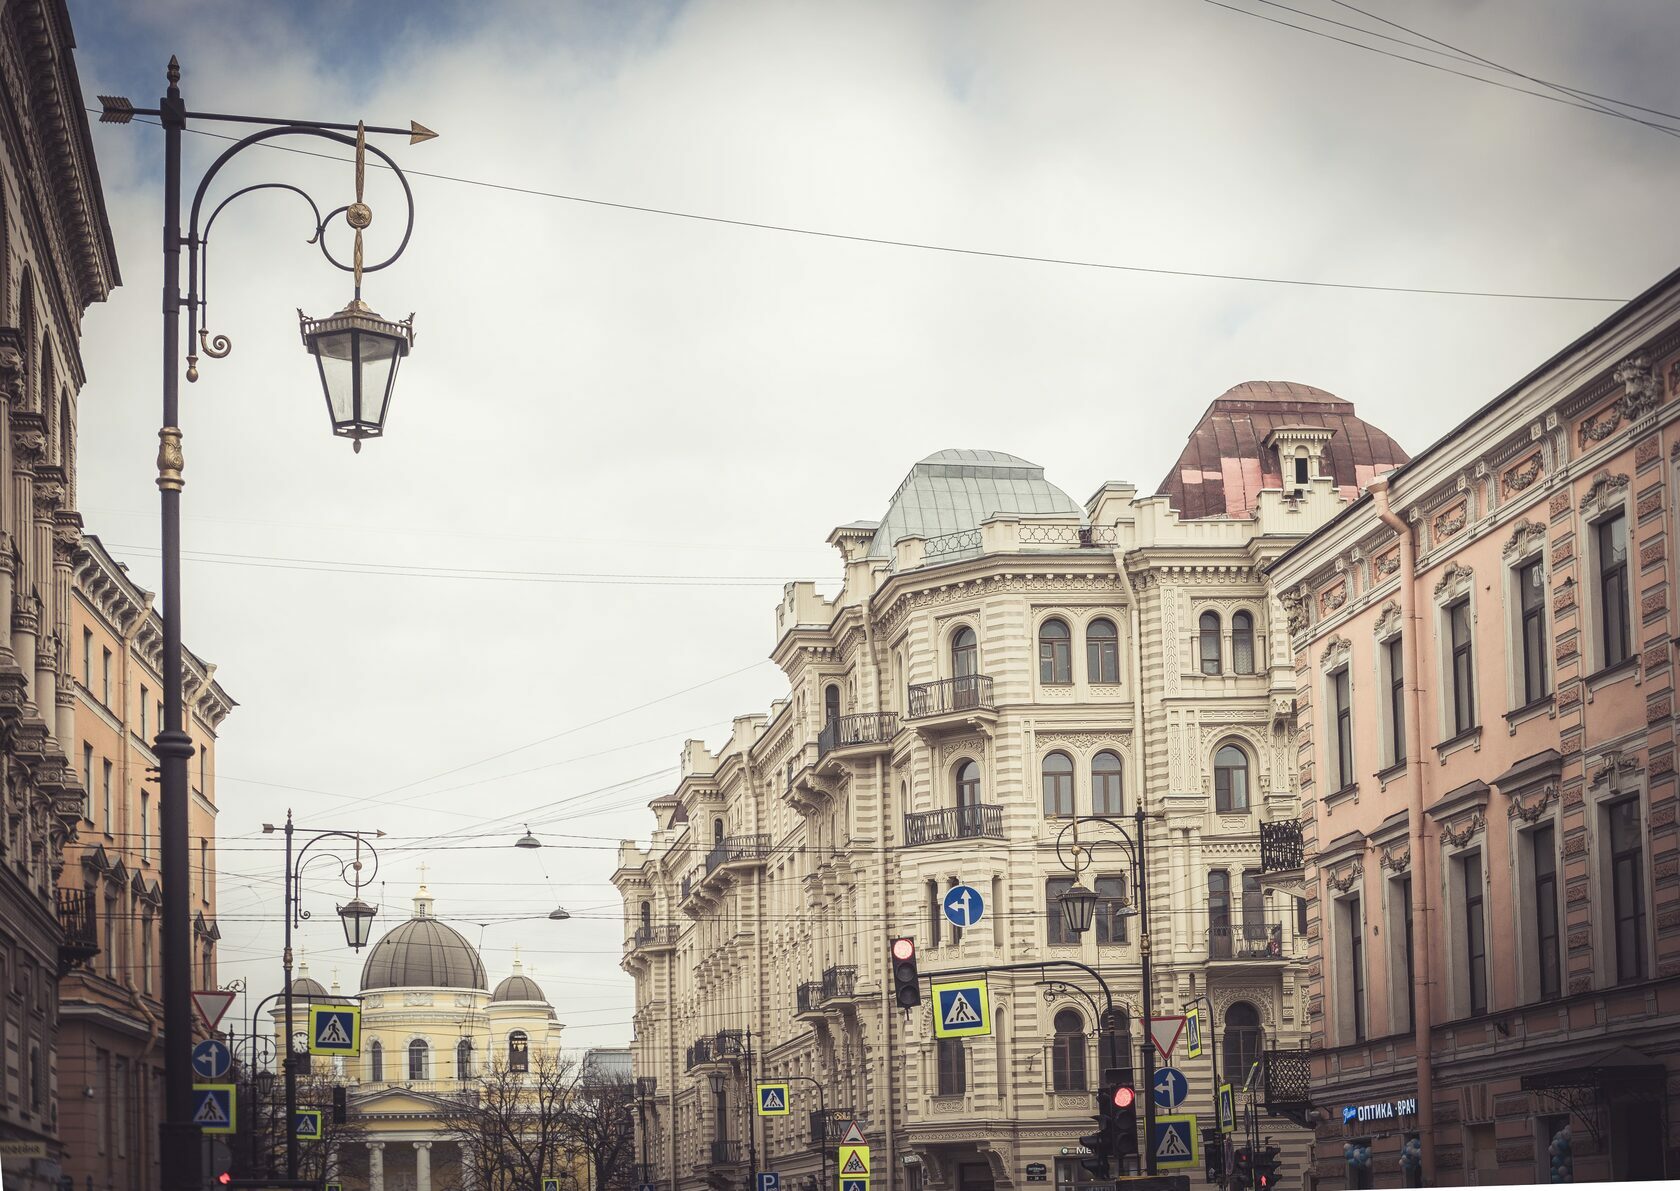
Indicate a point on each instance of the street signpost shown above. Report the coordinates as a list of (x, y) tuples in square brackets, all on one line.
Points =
[(853, 1136), (1176, 1144), (335, 1029), (1170, 1088), (854, 1185), (211, 1059), (961, 1009), (551, 1184), (306, 1124), (215, 1107), (773, 1101), (769, 1180), (854, 1162), (1193, 1032), (964, 907), (1165, 1033), (1227, 1109), (212, 1004)]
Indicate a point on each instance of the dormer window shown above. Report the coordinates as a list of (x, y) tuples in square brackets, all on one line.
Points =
[(1301, 466), (1300, 455)]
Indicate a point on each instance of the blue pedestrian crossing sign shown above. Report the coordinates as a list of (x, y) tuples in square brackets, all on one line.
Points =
[(215, 1106), (1170, 1087), (306, 1124), (1176, 1143), (854, 1185), (769, 1180), (964, 906), (1193, 1032), (646, 1187), (211, 1059), (961, 1009), (335, 1029), (551, 1184), (773, 1101), (1227, 1109)]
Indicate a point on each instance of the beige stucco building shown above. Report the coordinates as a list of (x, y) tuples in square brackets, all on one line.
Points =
[(999, 660), (1484, 650)]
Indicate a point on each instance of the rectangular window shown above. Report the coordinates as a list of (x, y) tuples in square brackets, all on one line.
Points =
[(1411, 980), (1627, 889), (105, 799), (1463, 693), (1356, 963), (145, 826), (1111, 909), (105, 677), (87, 658), (1342, 698), (102, 1098), (1542, 844), (204, 870), (145, 709), (1475, 933), (1300, 917), (953, 1070), (146, 955), (87, 779), (956, 931), (1056, 932), (1613, 588), (1395, 654), (1531, 588), (936, 913)]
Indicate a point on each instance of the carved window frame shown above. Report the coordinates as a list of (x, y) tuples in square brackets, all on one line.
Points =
[(1457, 584), (1609, 496), (1534, 808), (1527, 544), (1611, 780)]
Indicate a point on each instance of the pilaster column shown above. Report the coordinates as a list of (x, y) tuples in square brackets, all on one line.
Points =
[(376, 1166), (48, 493), (422, 1166), (67, 536), (28, 444)]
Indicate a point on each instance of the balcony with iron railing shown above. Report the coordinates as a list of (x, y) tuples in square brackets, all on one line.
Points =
[(647, 1087), (727, 1152), (1258, 942), (950, 697), (1280, 846), (866, 733), (975, 821), (699, 1054), (737, 849), (808, 998), (839, 983), (81, 932), (650, 938), (828, 1126)]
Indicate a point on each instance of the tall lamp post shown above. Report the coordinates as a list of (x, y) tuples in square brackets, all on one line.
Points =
[(357, 916), (357, 354), (1079, 906)]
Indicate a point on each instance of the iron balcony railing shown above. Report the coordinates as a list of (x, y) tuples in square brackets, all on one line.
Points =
[(838, 982), (726, 1152), (808, 997), (664, 935), (829, 1125), (847, 731), (81, 932), (976, 821), (1280, 846), (647, 1086), (700, 1051), (726, 1044), (737, 847), (971, 692), (1248, 940)]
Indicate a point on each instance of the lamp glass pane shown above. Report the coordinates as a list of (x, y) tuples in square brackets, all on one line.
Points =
[(336, 353)]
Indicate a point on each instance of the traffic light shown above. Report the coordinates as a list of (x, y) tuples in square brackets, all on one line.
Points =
[(1242, 1172), (1100, 1142), (1213, 1154), (1123, 1130), (341, 1104), (906, 983), (1266, 1168), (224, 1178)]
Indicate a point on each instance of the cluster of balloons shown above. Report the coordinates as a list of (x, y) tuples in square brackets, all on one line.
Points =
[(1562, 1151), (1357, 1156), (1411, 1155)]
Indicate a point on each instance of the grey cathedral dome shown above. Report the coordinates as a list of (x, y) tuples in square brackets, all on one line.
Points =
[(955, 490), (423, 953)]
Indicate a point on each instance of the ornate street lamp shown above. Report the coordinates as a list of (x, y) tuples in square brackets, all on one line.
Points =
[(358, 922), (1079, 907), (357, 353)]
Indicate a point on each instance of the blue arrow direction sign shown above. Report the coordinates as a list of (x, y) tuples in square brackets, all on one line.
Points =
[(769, 1180), (964, 906), (211, 1059), (1170, 1087)]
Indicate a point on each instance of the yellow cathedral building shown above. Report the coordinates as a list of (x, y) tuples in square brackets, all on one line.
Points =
[(432, 1031)]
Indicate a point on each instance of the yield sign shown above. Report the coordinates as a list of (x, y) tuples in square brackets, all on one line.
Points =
[(854, 1135), (211, 1005), (1165, 1032)]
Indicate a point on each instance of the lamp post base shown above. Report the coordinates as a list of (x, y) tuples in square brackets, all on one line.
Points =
[(182, 1155)]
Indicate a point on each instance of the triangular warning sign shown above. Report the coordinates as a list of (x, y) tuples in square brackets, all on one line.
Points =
[(1172, 1145), (773, 1099), (332, 1031), (854, 1165), (962, 1011), (854, 1135), (212, 1004), (210, 1111)]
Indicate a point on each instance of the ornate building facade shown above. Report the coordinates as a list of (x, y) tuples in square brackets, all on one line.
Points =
[(56, 259), (999, 661), (110, 1065), (1485, 689)]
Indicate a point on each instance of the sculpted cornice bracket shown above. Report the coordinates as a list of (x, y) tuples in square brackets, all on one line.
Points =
[(1336, 652), (1388, 620), (1455, 582), (1641, 388), (1465, 833), (1607, 488), (1344, 876), (1526, 537), (1530, 813), (1396, 859)]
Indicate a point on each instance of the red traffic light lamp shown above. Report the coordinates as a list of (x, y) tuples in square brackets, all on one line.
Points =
[(1124, 1097), (907, 988)]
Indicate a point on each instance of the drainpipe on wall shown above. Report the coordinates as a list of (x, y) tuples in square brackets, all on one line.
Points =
[(884, 1082), (1422, 877)]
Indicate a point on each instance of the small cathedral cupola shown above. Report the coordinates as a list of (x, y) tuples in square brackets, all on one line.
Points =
[(423, 897), (1299, 451)]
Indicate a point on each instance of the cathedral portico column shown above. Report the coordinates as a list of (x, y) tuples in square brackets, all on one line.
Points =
[(376, 1166), (422, 1166)]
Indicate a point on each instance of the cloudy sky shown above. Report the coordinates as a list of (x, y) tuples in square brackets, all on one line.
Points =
[(621, 430)]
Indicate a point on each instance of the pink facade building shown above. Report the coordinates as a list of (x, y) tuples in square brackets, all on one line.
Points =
[(1484, 647)]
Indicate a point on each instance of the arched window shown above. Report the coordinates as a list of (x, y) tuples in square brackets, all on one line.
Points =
[(968, 784), (1210, 643), (1242, 1040), (1242, 643), (418, 1053), (1106, 784), (1219, 914), (1067, 1055), (376, 1063), (1230, 780), (463, 1059), (965, 654), (1102, 652), (1057, 774), (831, 703), (717, 831), (1055, 652), (519, 1051)]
